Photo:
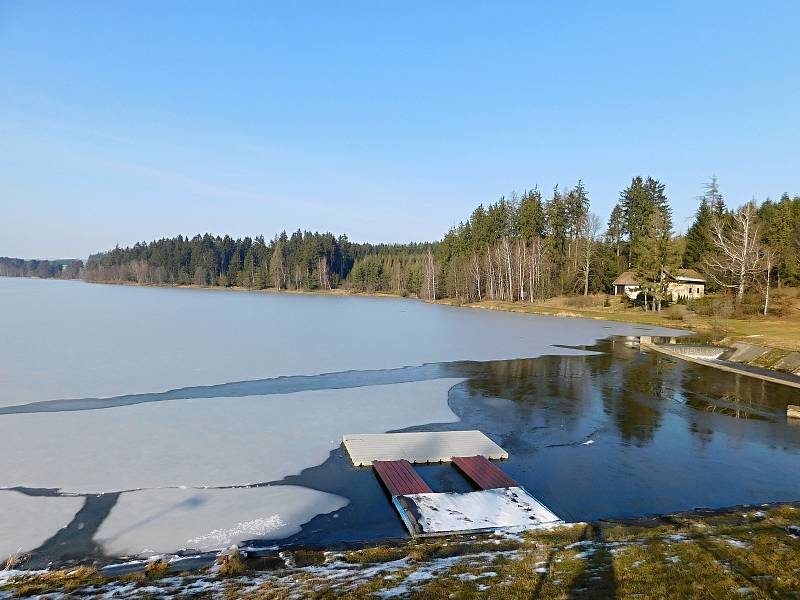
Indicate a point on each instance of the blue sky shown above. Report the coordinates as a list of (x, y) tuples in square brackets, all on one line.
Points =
[(126, 121)]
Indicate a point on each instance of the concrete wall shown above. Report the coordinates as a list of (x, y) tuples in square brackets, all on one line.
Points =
[(686, 290), (675, 290)]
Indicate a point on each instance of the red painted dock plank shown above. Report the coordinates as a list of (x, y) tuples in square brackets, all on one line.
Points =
[(483, 473), (400, 478)]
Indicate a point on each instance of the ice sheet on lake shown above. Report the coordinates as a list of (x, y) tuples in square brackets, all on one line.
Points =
[(161, 521), (501, 507), (74, 340), (28, 521), (205, 442)]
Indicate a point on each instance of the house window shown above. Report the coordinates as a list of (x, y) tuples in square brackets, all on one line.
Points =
[(690, 290)]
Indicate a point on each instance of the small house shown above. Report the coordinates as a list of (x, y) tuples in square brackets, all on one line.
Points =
[(683, 283)]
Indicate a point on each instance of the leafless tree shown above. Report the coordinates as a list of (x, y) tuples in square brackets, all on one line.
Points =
[(769, 257), (737, 258), (590, 232), (429, 284)]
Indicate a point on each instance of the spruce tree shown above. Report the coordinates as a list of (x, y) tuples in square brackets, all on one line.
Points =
[(530, 216), (714, 197), (698, 240)]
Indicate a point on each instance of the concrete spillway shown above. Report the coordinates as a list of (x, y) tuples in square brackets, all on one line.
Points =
[(698, 351)]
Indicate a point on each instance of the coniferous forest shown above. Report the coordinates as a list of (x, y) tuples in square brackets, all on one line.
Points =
[(524, 247), (45, 269)]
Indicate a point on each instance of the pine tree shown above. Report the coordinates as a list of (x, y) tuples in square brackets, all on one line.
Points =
[(616, 229), (233, 269), (714, 197), (530, 216), (698, 238), (636, 214)]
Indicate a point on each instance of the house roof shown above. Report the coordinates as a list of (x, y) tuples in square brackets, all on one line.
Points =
[(629, 277), (626, 278), (688, 275)]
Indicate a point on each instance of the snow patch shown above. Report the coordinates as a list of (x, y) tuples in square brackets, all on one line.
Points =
[(168, 520), (501, 507)]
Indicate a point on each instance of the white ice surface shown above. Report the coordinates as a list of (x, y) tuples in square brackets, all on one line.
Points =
[(28, 521), (205, 442), (67, 339), (161, 521), (501, 507)]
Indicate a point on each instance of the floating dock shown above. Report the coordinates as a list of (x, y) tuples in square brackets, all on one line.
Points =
[(428, 515), (499, 502), (419, 447)]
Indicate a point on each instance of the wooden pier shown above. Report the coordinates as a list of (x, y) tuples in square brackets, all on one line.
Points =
[(498, 503), (483, 473), (399, 478)]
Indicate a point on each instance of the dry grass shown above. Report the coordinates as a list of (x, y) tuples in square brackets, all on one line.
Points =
[(231, 565), (728, 555), (752, 553), (379, 554), (156, 569), (55, 581), (13, 560)]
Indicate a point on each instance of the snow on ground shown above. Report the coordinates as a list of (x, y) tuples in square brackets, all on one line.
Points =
[(161, 521), (501, 507), (399, 579), (27, 521), (107, 340), (208, 442)]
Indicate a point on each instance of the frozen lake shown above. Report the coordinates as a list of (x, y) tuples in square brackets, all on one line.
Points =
[(147, 420), (67, 339)]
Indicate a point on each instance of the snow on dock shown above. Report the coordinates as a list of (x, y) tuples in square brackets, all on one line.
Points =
[(499, 503), (419, 447), (482, 510)]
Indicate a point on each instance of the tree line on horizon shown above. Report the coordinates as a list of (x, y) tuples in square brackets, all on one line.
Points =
[(300, 261), (524, 247), (44, 269)]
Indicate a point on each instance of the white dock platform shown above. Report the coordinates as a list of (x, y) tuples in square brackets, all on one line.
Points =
[(420, 447)]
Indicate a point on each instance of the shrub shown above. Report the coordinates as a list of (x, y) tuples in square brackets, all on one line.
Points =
[(583, 301), (677, 312)]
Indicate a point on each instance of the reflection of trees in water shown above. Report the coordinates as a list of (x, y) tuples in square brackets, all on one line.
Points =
[(560, 390), (632, 396), (633, 388), (530, 383)]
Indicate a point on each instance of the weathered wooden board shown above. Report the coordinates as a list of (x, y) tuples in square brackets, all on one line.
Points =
[(400, 478), (483, 473), (793, 411), (420, 446)]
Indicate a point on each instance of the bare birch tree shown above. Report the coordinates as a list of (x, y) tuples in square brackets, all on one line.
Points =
[(736, 260), (589, 245)]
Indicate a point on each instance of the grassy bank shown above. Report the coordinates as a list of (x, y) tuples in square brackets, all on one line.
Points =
[(743, 552)]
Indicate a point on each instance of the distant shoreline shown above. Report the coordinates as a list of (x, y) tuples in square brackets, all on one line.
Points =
[(772, 333), (270, 290)]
